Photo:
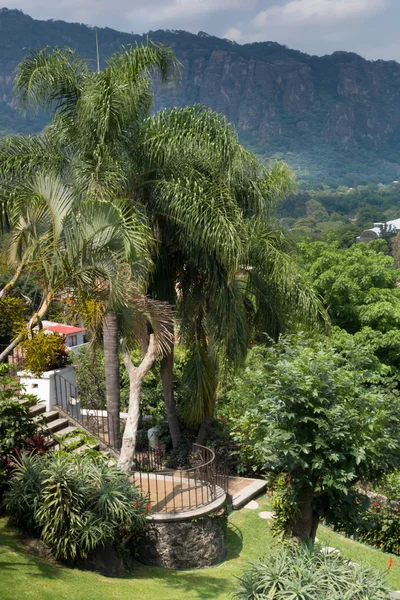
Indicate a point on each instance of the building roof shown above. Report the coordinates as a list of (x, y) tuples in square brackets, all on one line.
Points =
[(63, 329)]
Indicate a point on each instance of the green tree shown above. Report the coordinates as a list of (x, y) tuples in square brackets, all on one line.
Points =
[(357, 284), (196, 182), (320, 419)]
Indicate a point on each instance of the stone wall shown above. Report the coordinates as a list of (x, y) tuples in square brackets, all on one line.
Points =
[(186, 544)]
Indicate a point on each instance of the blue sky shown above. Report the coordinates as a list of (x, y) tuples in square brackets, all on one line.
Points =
[(368, 27)]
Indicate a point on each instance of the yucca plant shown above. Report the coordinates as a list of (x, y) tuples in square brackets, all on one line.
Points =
[(74, 503), (301, 572)]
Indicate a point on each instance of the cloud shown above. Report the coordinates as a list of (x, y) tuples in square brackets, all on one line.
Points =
[(298, 12), (233, 34), (178, 10), (368, 27)]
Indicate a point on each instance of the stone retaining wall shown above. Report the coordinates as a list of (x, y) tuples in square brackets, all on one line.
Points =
[(184, 544)]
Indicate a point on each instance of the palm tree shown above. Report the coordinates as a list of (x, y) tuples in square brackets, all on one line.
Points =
[(95, 118), (223, 259), (61, 247), (197, 184)]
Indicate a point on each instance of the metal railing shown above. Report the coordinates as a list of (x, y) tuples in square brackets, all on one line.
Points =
[(180, 490), (98, 422), (170, 490)]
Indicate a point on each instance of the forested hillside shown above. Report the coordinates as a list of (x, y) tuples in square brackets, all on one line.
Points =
[(334, 118)]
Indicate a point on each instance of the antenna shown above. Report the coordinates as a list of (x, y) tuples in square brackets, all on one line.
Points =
[(97, 52)]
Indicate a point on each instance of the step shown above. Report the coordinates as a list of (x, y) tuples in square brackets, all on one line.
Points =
[(66, 431), (24, 402), (55, 425), (51, 415), (38, 409), (67, 442), (84, 447)]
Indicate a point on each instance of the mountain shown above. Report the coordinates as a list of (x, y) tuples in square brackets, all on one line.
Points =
[(335, 119)]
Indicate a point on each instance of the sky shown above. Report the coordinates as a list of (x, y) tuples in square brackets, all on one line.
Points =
[(367, 27)]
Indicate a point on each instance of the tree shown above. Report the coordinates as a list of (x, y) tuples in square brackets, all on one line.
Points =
[(95, 118), (320, 419), (198, 185), (353, 281), (62, 248), (213, 205)]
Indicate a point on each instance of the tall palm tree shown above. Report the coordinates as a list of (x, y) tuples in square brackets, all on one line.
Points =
[(63, 248), (96, 115), (198, 185), (223, 259)]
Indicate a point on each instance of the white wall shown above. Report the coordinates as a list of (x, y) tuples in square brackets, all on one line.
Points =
[(79, 339), (44, 387)]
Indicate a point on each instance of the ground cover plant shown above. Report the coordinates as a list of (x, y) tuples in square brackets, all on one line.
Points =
[(299, 572)]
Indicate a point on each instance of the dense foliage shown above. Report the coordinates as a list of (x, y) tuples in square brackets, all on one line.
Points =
[(319, 418), (18, 430), (299, 573), (358, 288), (74, 504), (368, 203), (43, 352)]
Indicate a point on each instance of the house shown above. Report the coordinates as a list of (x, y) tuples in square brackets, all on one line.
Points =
[(74, 336), (376, 231)]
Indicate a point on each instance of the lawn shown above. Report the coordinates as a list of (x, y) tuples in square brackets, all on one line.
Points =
[(25, 577)]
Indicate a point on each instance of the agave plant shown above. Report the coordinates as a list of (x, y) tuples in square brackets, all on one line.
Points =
[(302, 572)]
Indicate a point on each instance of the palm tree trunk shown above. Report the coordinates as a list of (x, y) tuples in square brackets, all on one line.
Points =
[(111, 368), (136, 375), (203, 431), (167, 379)]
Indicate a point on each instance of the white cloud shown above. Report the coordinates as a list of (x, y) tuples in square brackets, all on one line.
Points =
[(233, 34), (177, 10), (317, 11)]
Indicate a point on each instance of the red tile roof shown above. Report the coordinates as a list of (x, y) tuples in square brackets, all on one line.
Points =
[(64, 329)]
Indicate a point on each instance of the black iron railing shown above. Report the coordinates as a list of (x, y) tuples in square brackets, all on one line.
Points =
[(180, 490), (200, 482), (99, 423)]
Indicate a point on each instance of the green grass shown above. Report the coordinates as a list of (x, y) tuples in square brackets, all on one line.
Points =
[(25, 577)]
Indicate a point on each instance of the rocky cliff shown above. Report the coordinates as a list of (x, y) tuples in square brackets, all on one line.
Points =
[(340, 108)]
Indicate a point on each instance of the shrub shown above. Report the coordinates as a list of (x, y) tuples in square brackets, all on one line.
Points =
[(384, 528), (75, 503), (44, 352), (300, 572), (16, 422), (320, 417), (12, 317)]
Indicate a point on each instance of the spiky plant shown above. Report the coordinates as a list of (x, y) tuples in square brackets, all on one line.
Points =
[(75, 504)]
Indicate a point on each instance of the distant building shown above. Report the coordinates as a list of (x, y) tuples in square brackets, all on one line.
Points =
[(74, 336), (376, 232)]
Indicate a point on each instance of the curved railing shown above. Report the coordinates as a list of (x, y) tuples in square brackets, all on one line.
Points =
[(180, 490), (170, 490)]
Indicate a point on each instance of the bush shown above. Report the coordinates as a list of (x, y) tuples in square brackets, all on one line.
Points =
[(300, 572), (74, 503), (12, 317), (44, 352), (18, 430), (384, 528)]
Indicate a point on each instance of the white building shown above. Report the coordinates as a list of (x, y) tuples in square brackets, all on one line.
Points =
[(74, 336), (376, 231)]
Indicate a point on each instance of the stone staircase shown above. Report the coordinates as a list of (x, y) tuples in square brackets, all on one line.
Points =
[(58, 424)]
